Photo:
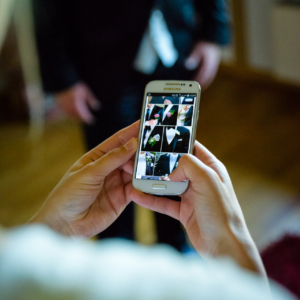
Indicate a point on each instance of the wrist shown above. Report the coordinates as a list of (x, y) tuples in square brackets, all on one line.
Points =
[(238, 244), (54, 222)]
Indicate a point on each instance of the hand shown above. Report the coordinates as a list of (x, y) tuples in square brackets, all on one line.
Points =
[(209, 209), (94, 192), (206, 57), (78, 101), (167, 102)]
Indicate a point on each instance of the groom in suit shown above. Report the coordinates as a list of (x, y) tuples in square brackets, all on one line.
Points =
[(166, 164), (153, 110), (152, 137), (164, 100), (170, 115), (176, 139)]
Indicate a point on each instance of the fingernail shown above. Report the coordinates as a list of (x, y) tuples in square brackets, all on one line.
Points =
[(191, 63), (131, 144)]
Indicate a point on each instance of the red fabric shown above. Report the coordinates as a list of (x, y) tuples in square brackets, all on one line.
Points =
[(282, 262)]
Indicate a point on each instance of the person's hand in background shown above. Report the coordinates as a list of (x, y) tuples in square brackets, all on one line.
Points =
[(205, 59), (94, 191), (78, 101), (209, 210)]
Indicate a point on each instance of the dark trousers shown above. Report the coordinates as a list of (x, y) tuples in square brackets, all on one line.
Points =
[(121, 108)]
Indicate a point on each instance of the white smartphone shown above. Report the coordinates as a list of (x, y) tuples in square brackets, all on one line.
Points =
[(168, 130)]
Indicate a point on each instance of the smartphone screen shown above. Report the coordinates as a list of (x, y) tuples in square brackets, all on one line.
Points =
[(166, 134)]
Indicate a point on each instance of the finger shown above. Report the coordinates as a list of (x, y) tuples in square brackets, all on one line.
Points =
[(68, 106), (207, 71), (126, 177), (211, 161), (129, 166), (92, 101), (161, 205), (83, 111), (190, 167), (112, 160), (204, 154), (194, 59), (119, 138), (203, 73)]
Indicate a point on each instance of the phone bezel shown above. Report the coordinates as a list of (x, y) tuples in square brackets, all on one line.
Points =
[(158, 86)]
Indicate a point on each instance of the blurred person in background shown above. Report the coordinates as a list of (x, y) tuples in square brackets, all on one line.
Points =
[(37, 263), (97, 56)]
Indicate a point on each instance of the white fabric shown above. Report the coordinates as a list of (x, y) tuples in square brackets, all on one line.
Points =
[(157, 42), (182, 116), (167, 110), (173, 158), (141, 169), (36, 263), (148, 133), (147, 59), (170, 133)]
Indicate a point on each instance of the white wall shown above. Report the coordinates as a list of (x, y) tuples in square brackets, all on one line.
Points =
[(286, 42), (259, 33)]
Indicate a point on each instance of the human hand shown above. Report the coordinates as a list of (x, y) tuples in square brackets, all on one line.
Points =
[(205, 57), (209, 209), (78, 101), (94, 191), (167, 102)]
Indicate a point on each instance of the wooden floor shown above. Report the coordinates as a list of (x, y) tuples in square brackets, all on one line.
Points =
[(252, 126)]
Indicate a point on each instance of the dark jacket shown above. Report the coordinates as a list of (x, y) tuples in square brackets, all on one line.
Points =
[(157, 145), (97, 41), (180, 143), (172, 120), (156, 110), (162, 166)]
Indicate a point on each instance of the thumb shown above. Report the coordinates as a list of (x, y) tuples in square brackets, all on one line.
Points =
[(112, 160), (193, 61), (189, 167)]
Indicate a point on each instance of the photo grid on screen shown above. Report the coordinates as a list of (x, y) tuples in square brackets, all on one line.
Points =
[(167, 129)]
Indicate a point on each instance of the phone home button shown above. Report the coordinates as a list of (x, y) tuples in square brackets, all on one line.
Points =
[(159, 186)]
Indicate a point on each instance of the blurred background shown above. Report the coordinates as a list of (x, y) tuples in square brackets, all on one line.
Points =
[(249, 118)]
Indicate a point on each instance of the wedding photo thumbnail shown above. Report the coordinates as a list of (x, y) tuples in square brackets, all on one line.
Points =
[(145, 166), (170, 114), (152, 138), (176, 139), (185, 115), (154, 114), (166, 163)]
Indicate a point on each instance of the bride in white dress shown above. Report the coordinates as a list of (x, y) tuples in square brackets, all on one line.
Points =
[(183, 109)]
